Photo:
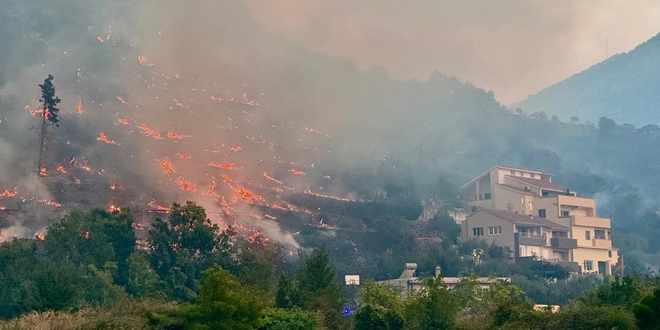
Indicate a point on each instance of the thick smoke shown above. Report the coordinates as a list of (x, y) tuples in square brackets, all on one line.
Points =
[(514, 47)]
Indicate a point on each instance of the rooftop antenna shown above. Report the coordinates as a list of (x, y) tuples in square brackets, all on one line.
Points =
[(607, 51)]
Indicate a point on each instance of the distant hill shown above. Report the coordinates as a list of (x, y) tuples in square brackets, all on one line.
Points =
[(625, 87)]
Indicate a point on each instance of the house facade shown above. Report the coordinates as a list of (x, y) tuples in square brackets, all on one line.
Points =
[(512, 192)]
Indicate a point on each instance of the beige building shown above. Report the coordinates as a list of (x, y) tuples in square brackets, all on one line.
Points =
[(529, 192)]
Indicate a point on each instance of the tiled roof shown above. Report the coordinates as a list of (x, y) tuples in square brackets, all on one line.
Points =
[(524, 219), (539, 183)]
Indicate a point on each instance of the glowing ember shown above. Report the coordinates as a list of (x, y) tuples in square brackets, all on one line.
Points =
[(309, 192), (122, 121), (236, 149), (270, 217), (211, 191), (142, 59), (248, 196), (184, 156), (294, 172), (42, 171), (79, 107), (222, 166), (3, 208), (39, 237), (105, 139), (121, 100), (113, 208), (167, 167), (50, 203), (272, 179), (159, 208), (256, 216), (227, 179), (113, 186), (185, 185), (8, 193), (61, 169), (172, 135)]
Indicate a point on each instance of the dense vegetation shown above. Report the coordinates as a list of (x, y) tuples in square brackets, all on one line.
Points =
[(620, 87), (88, 273)]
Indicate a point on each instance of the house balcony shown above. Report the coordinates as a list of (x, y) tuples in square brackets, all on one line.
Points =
[(584, 221), (570, 265), (538, 240), (580, 202), (563, 243), (602, 243)]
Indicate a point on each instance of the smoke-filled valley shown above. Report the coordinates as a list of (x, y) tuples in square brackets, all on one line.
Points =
[(165, 101)]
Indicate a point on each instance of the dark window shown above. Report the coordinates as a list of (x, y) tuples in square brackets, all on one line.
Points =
[(544, 193), (588, 265), (587, 234), (542, 213), (599, 234), (565, 213), (609, 254), (531, 175), (478, 231), (487, 196), (513, 172)]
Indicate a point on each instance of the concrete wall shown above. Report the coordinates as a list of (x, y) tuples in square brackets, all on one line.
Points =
[(485, 220)]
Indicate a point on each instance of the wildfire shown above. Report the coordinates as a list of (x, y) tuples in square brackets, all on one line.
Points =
[(61, 169), (167, 167), (227, 166), (113, 208), (39, 237), (211, 191), (172, 135), (113, 186), (122, 121), (270, 217), (3, 208), (159, 208), (142, 59), (8, 193), (80, 107), (51, 203), (309, 192), (236, 149), (121, 100), (294, 172), (185, 185), (272, 179), (184, 156), (42, 171), (248, 196), (105, 139)]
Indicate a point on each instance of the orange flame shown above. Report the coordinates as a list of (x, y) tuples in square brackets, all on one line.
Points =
[(8, 193), (248, 196), (105, 139), (272, 179), (185, 185), (184, 156), (294, 172), (61, 169), (167, 167), (237, 148), (122, 121), (42, 171), (211, 191), (227, 166), (113, 186), (80, 107), (159, 208), (39, 237), (51, 203)]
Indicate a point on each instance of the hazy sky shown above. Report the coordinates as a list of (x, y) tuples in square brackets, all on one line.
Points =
[(513, 47)]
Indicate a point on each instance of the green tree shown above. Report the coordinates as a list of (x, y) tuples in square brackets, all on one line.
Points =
[(288, 319), (142, 280), (647, 311), (433, 307), (223, 303), (93, 238), (186, 244), (319, 289)]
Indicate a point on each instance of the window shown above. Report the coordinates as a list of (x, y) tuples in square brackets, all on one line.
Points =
[(542, 213), (531, 175), (497, 230), (513, 172), (599, 234), (609, 254), (487, 196), (565, 213), (531, 206), (544, 193), (588, 265), (587, 234), (478, 231)]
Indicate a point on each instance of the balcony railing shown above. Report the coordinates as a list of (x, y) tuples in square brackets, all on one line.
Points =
[(538, 240), (563, 243), (602, 243), (580, 220)]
